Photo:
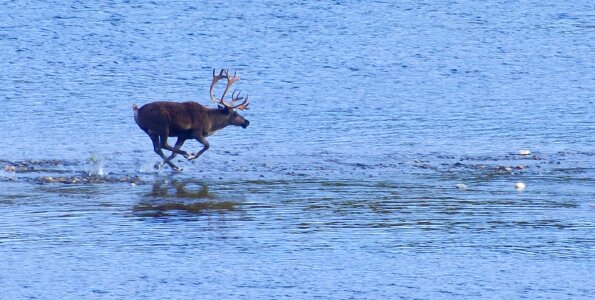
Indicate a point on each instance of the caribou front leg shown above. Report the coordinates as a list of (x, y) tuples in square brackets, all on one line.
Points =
[(201, 139)]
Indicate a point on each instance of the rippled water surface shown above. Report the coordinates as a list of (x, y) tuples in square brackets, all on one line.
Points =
[(380, 162)]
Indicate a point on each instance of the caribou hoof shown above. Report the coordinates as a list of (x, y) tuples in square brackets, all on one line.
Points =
[(190, 156), (158, 165)]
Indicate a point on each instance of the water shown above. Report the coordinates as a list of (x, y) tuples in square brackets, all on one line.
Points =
[(365, 116)]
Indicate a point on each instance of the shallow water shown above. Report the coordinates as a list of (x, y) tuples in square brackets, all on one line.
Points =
[(365, 117)]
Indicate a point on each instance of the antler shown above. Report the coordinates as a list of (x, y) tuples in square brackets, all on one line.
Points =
[(230, 81)]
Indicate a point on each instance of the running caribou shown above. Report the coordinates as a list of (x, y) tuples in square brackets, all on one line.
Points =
[(190, 120)]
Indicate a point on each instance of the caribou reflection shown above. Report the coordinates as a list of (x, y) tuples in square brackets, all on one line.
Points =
[(175, 197), (180, 189)]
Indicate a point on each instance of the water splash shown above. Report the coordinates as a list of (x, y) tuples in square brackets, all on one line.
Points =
[(95, 165)]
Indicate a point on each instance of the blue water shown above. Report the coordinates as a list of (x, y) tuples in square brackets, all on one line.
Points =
[(365, 115)]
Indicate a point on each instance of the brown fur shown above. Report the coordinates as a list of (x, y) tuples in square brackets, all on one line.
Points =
[(186, 120)]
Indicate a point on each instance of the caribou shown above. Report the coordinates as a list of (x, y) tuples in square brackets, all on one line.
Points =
[(190, 120)]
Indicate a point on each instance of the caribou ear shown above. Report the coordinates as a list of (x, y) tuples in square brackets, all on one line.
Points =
[(226, 109)]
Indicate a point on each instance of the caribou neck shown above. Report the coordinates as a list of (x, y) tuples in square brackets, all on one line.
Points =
[(219, 120)]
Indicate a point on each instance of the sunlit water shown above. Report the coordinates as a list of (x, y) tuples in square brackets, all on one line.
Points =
[(365, 117)]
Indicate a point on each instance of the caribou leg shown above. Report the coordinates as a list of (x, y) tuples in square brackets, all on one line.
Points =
[(177, 150), (157, 148), (201, 139)]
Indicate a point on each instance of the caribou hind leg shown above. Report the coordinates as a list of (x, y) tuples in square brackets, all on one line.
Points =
[(155, 138), (176, 150)]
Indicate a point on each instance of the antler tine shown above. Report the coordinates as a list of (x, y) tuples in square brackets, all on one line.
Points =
[(223, 71), (229, 77), (235, 97), (243, 105)]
